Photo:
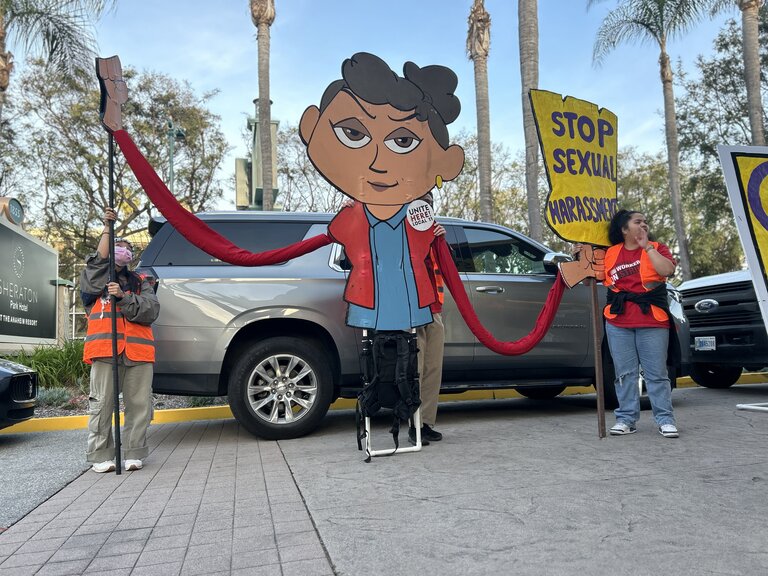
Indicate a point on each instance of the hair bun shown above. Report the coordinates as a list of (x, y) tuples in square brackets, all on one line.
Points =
[(438, 84)]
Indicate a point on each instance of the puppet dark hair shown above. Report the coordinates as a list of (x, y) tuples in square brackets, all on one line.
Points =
[(428, 91)]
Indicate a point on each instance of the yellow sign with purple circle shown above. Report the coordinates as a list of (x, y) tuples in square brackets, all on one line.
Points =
[(746, 178)]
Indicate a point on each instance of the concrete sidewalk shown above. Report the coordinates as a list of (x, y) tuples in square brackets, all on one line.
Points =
[(516, 487)]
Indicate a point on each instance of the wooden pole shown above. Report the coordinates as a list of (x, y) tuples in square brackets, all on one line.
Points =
[(597, 345)]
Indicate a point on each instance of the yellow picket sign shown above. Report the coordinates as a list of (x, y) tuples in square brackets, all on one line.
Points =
[(579, 143)]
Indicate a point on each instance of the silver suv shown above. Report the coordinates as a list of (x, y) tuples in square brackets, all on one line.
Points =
[(274, 338)]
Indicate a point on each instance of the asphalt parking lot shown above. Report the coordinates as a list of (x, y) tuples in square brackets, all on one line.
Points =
[(35, 467), (516, 487)]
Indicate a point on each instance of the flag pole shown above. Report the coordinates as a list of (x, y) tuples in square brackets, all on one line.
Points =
[(113, 306)]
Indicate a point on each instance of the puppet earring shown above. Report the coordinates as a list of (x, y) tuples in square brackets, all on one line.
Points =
[(439, 181)]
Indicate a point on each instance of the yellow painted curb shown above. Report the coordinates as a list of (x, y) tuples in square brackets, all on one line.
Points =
[(223, 412)]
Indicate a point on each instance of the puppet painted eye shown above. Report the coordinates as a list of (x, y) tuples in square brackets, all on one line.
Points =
[(351, 133), (402, 141)]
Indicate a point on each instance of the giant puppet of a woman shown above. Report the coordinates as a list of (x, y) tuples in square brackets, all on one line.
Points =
[(382, 140)]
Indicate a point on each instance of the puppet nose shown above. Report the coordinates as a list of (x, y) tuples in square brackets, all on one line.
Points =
[(374, 167)]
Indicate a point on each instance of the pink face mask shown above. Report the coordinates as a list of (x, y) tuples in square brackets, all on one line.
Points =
[(123, 255)]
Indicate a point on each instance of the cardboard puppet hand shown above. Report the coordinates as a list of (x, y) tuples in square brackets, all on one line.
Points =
[(589, 263), (114, 92)]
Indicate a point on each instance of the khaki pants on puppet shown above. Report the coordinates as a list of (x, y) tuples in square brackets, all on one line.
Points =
[(430, 341), (136, 386)]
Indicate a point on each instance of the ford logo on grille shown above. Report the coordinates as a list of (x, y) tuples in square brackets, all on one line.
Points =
[(707, 306)]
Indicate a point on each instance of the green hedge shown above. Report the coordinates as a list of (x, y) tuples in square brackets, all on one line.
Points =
[(58, 366)]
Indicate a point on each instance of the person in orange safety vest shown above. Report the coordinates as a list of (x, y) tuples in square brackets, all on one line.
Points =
[(637, 321), (137, 309)]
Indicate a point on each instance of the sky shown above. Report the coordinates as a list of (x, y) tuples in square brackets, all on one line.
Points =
[(212, 45)]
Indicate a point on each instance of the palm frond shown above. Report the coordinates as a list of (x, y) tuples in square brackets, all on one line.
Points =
[(682, 15), (717, 6), (60, 31), (626, 23)]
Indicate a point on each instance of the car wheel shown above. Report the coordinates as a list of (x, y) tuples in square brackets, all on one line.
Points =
[(540, 392), (714, 375), (609, 381), (281, 388)]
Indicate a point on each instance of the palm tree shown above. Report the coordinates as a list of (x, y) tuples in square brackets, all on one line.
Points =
[(60, 31), (263, 15), (528, 25), (657, 21), (478, 46), (750, 50)]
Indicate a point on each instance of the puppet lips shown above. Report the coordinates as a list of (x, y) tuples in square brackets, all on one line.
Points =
[(380, 186)]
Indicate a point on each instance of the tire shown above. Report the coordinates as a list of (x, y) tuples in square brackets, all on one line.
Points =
[(715, 375), (540, 392), (672, 373), (609, 382), (261, 405)]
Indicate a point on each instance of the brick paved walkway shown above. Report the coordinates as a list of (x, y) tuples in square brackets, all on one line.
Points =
[(211, 500)]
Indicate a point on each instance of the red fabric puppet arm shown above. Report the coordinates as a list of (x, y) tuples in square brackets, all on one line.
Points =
[(195, 230), (525, 344)]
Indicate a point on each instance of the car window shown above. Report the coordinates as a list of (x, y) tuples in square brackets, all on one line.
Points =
[(253, 236), (496, 253)]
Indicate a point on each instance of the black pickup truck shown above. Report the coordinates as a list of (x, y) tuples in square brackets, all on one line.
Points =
[(727, 330)]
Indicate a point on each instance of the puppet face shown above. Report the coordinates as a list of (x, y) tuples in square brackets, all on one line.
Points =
[(375, 153)]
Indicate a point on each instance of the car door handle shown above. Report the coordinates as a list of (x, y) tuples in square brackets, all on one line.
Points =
[(490, 289)]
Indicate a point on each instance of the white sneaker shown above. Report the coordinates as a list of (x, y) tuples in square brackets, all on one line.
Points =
[(133, 465), (669, 431), (102, 467), (620, 429)]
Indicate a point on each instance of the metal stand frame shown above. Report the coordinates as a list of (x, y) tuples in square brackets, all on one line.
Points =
[(416, 421)]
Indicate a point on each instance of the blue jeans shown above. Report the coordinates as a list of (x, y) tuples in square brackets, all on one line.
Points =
[(631, 348)]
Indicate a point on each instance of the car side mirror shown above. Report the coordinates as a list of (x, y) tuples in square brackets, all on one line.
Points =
[(552, 259)]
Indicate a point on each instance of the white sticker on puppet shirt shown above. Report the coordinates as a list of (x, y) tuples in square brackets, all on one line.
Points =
[(420, 215)]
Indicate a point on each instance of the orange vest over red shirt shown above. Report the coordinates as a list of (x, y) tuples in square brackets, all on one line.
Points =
[(649, 279)]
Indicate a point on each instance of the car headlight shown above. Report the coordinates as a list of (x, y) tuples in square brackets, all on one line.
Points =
[(675, 294), (675, 300)]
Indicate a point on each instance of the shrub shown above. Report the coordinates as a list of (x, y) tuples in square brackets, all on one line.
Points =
[(57, 366), (200, 401), (55, 397)]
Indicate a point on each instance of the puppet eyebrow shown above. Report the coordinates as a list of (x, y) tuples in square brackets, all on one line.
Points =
[(371, 116), (404, 118)]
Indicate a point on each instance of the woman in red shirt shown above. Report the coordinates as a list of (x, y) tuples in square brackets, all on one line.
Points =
[(637, 321)]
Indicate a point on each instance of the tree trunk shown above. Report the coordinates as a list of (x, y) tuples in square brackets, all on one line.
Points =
[(483, 139), (673, 160), (265, 115), (528, 25), (5, 64), (478, 47), (750, 48)]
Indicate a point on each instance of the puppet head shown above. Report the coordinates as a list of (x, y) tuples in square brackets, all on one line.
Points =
[(381, 138), (114, 92)]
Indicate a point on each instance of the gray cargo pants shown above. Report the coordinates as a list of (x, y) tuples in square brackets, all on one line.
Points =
[(136, 386), (430, 341)]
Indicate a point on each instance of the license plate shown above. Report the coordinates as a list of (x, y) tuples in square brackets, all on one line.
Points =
[(704, 343)]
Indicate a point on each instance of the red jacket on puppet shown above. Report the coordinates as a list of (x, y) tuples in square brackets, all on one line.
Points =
[(349, 227)]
